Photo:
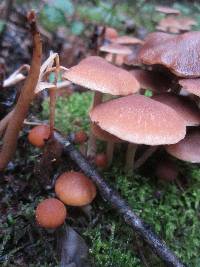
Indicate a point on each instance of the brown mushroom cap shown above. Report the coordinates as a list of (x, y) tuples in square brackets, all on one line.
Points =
[(187, 149), (128, 40), (140, 120), (103, 135), (167, 170), (116, 49), (174, 24), (97, 74), (110, 33), (182, 105), (75, 189), (178, 53), (38, 135), (151, 80), (50, 213), (191, 85), (167, 10)]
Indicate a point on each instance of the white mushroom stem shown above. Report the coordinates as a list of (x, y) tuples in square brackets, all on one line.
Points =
[(114, 58), (92, 147), (149, 151), (109, 151), (130, 157)]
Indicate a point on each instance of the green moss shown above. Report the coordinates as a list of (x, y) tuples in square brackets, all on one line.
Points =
[(174, 215), (71, 112)]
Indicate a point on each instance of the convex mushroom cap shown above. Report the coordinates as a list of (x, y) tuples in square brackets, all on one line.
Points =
[(187, 149), (97, 74), (140, 120), (38, 135), (50, 213), (75, 189), (167, 10), (115, 48), (174, 24), (186, 108), (178, 53), (128, 40)]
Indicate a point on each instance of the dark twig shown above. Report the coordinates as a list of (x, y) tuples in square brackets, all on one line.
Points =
[(110, 195)]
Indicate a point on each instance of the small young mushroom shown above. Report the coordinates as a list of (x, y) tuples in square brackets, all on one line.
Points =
[(80, 137), (101, 160), (139, 120), (38, 135), (75, 189), (50, 213), (187, 149)]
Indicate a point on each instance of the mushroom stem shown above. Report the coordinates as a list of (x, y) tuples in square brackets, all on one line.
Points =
[(114, 57), (52, 93), (130, 156), (91, 150), (149, 151), (109, 152)]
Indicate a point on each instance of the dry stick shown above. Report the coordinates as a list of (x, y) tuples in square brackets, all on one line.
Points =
[(25, 98), (111, 196), (139, 162)]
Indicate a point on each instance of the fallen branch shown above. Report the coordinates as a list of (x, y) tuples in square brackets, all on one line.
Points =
[(110, 195), (25, 98)]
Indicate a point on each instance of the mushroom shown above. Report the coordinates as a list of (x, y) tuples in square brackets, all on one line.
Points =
[(139, 120), (101, 160), (80, 138), (178, 53), (97, 74), (115, 50), (187, 149), (50, 213), (128, 40), (75, 189), (182, 105), (38, 135), (167, 10)]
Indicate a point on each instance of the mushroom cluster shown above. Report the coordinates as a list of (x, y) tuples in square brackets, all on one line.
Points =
[(173, 22), (166, 62), (72, 189)]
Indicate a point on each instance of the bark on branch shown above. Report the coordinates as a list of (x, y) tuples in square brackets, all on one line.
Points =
[(111, 196), (25, 98)]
